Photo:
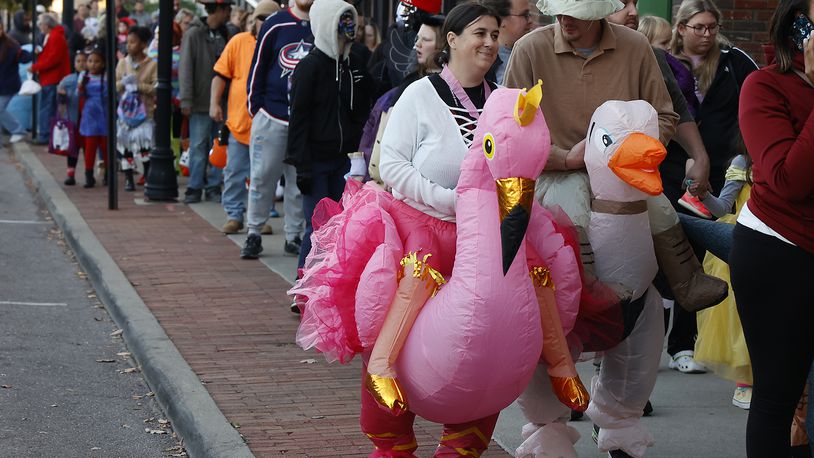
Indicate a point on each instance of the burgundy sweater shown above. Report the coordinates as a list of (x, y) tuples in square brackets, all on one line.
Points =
[(777, 122)]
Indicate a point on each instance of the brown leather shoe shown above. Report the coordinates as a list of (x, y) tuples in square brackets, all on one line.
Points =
[(232, 227), (266, 230)]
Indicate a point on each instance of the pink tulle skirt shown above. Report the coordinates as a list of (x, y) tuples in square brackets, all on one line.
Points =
[(350, 276)]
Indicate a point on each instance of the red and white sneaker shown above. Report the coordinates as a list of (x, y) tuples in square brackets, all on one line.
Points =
[(694, 205)]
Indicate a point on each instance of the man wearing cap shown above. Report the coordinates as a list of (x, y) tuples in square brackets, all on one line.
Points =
[(584, 61), (201, 46), (233, 66), (282, 42)]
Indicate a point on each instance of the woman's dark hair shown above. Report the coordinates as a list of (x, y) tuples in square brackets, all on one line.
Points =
[(780, 32), (6, 44), (459, 19), (142, 33)]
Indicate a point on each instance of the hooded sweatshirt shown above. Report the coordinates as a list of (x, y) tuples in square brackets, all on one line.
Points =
[(20, 31), (53, 63), (331, 93)]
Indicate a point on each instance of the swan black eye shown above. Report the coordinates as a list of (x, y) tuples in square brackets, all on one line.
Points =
[(606, 140)]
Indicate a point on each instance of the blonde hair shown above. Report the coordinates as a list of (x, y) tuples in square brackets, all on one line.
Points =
[(651, 27), (705, 72)]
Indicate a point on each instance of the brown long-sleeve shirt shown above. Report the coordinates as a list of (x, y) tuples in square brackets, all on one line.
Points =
[(622, 67)]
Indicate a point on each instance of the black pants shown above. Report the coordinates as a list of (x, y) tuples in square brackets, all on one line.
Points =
[(772, 283)]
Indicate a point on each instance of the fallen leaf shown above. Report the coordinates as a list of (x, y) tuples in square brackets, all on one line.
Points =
[(136, 397), (92, 449), (129, 370), (154, 431), (163, 422), (150, 394), (318, 417), (117, 332), (308, 361), (105, 360), (5, 386), (123, 354), (149, 420), (54, 405), (235, 425)]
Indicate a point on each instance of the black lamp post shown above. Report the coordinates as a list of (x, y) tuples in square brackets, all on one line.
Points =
[(162, 183), (110, 58)]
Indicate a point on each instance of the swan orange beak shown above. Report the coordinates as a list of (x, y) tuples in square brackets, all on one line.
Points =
[(515, 197), (637, 160)]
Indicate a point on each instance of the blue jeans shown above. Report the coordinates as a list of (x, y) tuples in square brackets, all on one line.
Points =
[(234, 180), (327, 180), (235, 175), (713, 236), (47, 110), (7, 120), (202, 132)]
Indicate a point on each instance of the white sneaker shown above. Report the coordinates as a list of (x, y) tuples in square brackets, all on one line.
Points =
[(742, 397), (683, 362), (16, 138)]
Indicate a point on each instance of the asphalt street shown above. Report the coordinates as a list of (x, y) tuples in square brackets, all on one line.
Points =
[(68, 386)]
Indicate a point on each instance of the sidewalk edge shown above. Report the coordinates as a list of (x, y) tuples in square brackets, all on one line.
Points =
[(194, 415)]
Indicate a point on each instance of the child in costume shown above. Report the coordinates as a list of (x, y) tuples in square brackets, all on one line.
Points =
[(92, 91), (720, 344), (136, 77), (69, 97)]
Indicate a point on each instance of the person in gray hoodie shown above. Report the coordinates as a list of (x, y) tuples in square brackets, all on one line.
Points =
[(201, 46), (331, 97)]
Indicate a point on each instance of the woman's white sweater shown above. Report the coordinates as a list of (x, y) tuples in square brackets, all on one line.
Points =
[(422, 150)]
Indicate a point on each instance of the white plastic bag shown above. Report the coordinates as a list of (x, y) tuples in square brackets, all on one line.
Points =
[(30, 87)]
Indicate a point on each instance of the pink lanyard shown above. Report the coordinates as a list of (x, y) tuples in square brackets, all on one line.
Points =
[(459, 92)]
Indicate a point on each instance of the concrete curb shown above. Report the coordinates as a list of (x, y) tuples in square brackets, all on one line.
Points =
[(192, 411)]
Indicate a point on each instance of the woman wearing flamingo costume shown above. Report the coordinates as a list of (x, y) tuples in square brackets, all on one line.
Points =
[(457, 353)]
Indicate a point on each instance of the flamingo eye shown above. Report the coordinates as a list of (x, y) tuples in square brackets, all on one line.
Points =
[(489, 146), (602, 139)]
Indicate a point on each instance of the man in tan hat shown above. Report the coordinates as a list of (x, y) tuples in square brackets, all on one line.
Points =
[(234, 66), (585, 61)]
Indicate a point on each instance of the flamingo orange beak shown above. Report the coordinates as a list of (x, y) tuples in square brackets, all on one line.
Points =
[(515, 197), (637, 160)]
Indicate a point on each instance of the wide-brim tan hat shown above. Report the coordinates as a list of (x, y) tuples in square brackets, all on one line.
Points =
[(587, 10)]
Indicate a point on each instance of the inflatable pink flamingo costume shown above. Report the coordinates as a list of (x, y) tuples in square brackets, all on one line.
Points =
[(459, 351)]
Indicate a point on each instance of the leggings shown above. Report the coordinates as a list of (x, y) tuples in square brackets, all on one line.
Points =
[(92, 144), (771, 280)]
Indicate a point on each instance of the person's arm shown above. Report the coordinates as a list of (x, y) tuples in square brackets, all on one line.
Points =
[(120, 76), (398, 147), (784, 158), (147, 86), (23, 56), (653, 90), (689, 138), (723, 204), (256, 84), (186, 78), (46, 60), (216, 94), (299, 123)]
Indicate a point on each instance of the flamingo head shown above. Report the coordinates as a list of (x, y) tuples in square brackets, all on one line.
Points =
[(515, 140), (622, 151)]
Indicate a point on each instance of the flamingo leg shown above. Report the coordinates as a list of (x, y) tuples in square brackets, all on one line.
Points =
[(561, 369), (418, 283)]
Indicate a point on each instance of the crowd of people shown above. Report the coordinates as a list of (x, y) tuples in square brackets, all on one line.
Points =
[(306, 95)]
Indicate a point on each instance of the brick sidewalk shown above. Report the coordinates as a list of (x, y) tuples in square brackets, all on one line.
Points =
[(229, 318)]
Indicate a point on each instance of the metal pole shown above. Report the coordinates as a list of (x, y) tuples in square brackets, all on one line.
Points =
[(34, 106), (162, 183), (112, 185), (67, 16)]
